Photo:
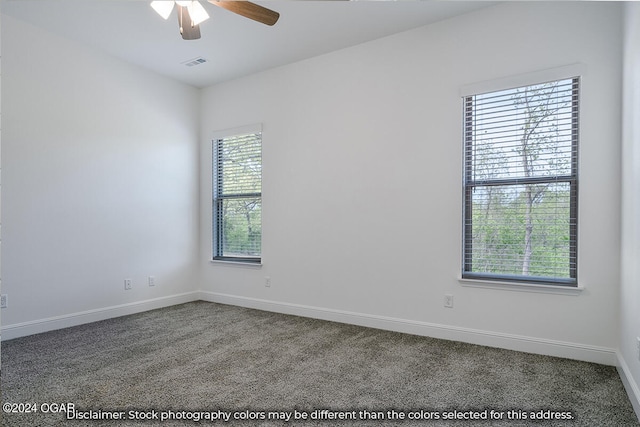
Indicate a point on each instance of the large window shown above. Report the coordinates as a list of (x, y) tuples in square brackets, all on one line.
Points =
[(520, 184), (237, 197)]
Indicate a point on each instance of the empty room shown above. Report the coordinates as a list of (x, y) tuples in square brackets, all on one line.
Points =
[(320, 213)]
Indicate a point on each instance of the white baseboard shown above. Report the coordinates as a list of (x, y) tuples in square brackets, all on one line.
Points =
[(594, 354), (74, 319), (630, 385)]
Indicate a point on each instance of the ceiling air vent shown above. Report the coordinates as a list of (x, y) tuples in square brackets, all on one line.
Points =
[(195, 61)]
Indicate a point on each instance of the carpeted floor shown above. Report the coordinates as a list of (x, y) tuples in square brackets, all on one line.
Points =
[(199, 363)]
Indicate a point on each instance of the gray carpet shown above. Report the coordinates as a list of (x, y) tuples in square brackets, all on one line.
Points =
[(203, 360)]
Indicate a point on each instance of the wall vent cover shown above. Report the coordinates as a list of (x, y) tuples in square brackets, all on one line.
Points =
[(195, 61)]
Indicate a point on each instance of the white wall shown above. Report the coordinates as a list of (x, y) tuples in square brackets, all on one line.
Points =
[(630, 280), (99, 165), (362, 154), (0, 196)]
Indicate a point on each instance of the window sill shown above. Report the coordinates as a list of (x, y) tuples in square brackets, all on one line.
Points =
[(243, 264), (522, 287)]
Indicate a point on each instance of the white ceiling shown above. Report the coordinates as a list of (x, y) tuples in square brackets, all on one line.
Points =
[(234, 46)]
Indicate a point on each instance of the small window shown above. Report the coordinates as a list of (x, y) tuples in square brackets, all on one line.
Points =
[(237, 198), (521, 184)]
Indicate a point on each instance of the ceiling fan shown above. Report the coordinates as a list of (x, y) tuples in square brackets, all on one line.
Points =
[(192, 13)]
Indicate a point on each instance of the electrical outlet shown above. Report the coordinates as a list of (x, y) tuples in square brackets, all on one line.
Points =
[(152, 281), (127, 284), (267, 281), (448, 301), (4, 301)]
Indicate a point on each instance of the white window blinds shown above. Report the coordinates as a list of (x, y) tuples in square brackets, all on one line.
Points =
[(237, 197), (520, 178)]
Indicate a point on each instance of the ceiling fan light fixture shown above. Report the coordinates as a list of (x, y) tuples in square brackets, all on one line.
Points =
[(191, 13), (163, 7), (197, 13)]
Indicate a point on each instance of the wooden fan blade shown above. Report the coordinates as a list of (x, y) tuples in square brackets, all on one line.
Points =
[(249, 10), (187, 31)]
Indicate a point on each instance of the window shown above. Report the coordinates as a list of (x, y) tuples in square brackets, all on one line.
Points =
[(237, 197), (521, 184)]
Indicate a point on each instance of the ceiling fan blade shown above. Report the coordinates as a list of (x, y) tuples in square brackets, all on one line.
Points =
[(249, 10), (188, 31)]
